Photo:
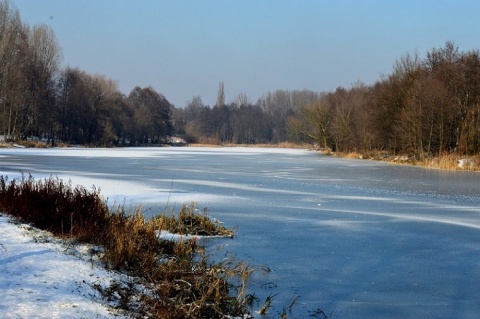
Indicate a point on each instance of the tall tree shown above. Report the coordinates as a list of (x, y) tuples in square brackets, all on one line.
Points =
[(41, 72), (220, 95), (12, 59), (152, 115), (318, 116)]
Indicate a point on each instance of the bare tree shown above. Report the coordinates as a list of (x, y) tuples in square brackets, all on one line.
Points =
[(342, 121), (318, 118), (242, 99), (12, 57), (41, 71)]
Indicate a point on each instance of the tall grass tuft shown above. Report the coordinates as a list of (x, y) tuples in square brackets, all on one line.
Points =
[(189, 221), (181, 281)]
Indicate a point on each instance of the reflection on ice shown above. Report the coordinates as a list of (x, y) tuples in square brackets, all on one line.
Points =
[(467, 222), (344, 225), (236, 186)]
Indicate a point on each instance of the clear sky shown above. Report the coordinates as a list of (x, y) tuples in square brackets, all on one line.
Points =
[(185, 48)]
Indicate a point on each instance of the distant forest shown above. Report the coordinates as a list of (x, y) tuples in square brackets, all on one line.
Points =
[(426, 107)]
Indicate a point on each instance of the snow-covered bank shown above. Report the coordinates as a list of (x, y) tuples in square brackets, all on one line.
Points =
[(41, 277)]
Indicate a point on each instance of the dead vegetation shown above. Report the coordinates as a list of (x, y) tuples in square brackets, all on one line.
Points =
[(449, 161), (453, 162), (173, 279)]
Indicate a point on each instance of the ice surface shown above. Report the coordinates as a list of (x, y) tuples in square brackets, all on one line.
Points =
[(361, 239)]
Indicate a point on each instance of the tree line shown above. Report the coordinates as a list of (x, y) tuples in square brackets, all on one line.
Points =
[(425, 107), (38, 99), (241, 121)]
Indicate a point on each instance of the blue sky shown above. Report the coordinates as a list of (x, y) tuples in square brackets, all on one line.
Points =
[(185, 48)]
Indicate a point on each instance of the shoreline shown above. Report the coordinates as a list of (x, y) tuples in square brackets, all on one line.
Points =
[(452, 162)]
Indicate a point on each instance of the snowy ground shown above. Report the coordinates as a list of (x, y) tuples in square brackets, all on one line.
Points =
[(42, 277)]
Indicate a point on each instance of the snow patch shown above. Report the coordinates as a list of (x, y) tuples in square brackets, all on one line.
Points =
[(41, 279), (166, 235)]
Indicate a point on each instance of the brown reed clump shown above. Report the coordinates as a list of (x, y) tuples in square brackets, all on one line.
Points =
[(54, 205), (178, 280), (454, 162), (33, 143), (190, 221)]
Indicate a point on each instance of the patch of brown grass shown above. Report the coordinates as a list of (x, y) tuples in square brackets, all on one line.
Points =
[(355, 155), (189, 221), (448, 161), (453, 162), (32, 143), (214, 143)]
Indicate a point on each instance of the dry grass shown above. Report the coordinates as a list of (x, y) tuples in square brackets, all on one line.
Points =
[(445, 161), (32, 143), (181, 281), (367, 154), (189, 221), (205, 143), (453, 162), (208, 141), (353, 155)]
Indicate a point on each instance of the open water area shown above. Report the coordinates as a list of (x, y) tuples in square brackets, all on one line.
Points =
[(349, 238)]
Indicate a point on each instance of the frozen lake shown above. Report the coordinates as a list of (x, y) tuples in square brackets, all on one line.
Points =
[(357, 239)]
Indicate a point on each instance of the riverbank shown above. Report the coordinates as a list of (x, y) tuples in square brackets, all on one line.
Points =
[(446, 162), (164, 269)]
